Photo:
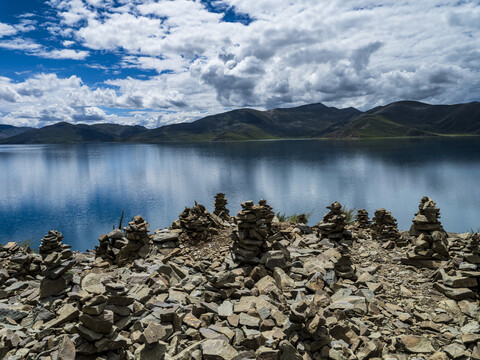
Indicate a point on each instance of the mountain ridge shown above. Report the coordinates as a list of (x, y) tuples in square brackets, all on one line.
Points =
[(398, 119)]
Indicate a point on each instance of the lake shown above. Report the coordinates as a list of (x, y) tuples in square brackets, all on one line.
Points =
[(81, 190)]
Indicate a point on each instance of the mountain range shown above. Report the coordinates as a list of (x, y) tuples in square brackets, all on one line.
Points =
[(399, 119)]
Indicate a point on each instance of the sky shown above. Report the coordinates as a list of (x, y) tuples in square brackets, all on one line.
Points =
[(158, 62)]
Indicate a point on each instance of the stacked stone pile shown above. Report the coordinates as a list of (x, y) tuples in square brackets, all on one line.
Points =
[(459, 279), (385, 229), (19, 262), (110, 245), (120, 247), (426, 219), (431, 244), (197, 223), (57, 260), (253, 228), (165, 240), (333, 225), (105, 312), (344, 267), (362, 221), (220, 207)]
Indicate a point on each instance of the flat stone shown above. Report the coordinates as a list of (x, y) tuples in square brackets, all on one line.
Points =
[(455, 350), (66, 349), (225, 309), (102, 323), (249, 320), (416, 344), (93, 284), (155, 352), (218, 350)]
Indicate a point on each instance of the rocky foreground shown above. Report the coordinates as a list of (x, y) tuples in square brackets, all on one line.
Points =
[(214, 287)]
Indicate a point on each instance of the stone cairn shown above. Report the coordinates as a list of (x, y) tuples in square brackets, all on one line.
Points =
[(253, 228), (105, 312), (220, 207), (385, 228), (431, 244), (458, 279), (197, 223), (362, 221), (332, 227), (120, 247), (57, 260), (18, 261)]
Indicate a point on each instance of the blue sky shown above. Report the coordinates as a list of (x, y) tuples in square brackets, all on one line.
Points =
[(155, 62)]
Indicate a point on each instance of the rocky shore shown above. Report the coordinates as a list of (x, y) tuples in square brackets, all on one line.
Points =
[(215, 286)]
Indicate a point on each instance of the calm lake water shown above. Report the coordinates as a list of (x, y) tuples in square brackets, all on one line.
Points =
[(81, 190)]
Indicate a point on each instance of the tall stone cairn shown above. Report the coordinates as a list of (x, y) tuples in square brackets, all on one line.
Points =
[(332, 227), (220, 207), (253, 228), (384, 227), (426, 219), (57, 259), (431, 239), (362, 221)]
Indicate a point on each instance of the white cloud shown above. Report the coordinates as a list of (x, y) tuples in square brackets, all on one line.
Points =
[(64, 54), (7, 30), (345, 53)]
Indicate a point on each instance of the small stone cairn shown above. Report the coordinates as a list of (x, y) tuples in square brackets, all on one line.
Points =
[(105, 312), (197, 223), (18, 261), (385, 228), (57, 260), (220, 207), (120, 247), (362, 221), (253, 228), (332, 227), (431, 244)]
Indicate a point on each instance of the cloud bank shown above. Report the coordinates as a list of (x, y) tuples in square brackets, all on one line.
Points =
[(165, 62)]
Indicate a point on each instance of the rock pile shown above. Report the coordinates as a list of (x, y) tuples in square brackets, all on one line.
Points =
[(104, 313), (110, 245), (332, 227), (197, 223), (385, 229), (426, 219), (459, 278), (120, 247), (220, 207), (18, 261), (328, 301), (165, 240), (57, 260), (253, 228), (362, 221), (431, 245)]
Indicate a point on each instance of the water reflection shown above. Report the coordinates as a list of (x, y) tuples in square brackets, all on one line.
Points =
[(82, 189)]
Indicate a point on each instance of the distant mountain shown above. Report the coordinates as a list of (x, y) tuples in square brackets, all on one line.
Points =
[(9, 131), (246, 124), (410, 118), (68, 133), (399, 119)]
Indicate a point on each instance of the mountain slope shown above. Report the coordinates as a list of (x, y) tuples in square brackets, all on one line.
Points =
[(7, 131), (247, 124), (399, 119), (68, 133), (410, 118)]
